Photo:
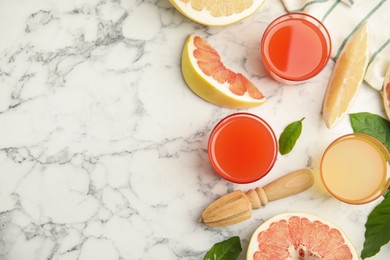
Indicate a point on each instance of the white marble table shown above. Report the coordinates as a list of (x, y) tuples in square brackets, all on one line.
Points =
[(103, 147)]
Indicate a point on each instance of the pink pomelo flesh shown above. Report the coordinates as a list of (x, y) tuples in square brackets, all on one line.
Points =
[(298, 237), (209, 62)]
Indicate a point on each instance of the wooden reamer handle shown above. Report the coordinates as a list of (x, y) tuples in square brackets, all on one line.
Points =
[(237, 206), (287, 185)]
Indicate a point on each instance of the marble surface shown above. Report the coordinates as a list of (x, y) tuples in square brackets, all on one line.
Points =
[(103, 147)]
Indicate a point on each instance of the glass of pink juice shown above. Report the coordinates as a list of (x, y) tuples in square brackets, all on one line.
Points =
[(242, 148), (295, 47)]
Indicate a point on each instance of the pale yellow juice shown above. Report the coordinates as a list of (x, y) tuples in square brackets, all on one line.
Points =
[(354, 169)]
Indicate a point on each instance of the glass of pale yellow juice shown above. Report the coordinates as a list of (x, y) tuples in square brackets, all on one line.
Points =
[(354, 168)]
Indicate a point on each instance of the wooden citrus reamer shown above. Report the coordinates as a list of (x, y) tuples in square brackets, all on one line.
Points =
[(237, 206)]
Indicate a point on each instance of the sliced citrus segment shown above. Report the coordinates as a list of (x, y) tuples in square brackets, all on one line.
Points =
[(299, 236), (208, 77), (386, 93), (217, 12), (346, 78)]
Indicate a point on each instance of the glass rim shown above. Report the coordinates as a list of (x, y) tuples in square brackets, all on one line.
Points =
[(211, 147), (383, 151), (311, 19)]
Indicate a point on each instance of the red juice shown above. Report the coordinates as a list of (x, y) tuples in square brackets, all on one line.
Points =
[(242, 148), (295, 47)]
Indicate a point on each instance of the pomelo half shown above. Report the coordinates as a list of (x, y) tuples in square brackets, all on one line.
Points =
[(386, 93), (299, 236), (208, 77), (217, 12)]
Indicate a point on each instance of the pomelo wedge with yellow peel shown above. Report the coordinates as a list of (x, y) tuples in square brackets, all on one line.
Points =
[(217, 12), (346, 78), (386, 92), (299, 236), (208, 77)]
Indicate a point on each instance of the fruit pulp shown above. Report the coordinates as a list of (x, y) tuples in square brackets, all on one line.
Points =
[(210, 64), (347, 76), (295, 47), (242, 148), (299, 236), (354, 168)]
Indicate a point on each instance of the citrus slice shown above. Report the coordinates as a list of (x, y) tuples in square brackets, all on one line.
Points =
[(346, 78), (386, 93), (299, 236), (206, 75), (217, 12)]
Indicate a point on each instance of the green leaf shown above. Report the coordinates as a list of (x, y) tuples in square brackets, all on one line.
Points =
[(290, 136), (387, 193), (377, 229), (229, 249), (374, 125), (378, 223)]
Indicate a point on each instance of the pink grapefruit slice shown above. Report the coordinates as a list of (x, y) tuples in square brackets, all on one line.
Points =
[(299, 236), (207, 76), (386, 92)]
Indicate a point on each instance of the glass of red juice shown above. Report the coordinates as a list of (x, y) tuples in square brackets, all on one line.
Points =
[(242, 148), (295, 47)]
